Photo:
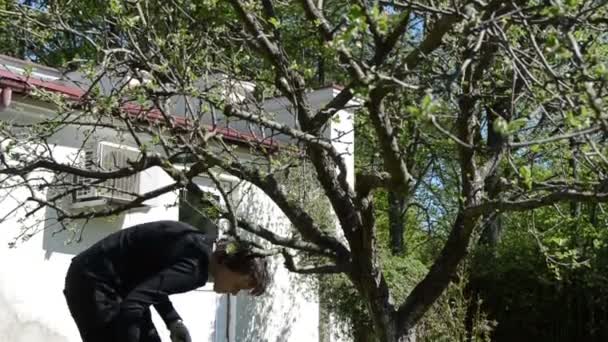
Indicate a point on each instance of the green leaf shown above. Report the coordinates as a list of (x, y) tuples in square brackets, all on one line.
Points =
[(231, 248), (383, 24), (116, 7), (572, 3), (27, 71), (155, 139), (355, 13), (276, 23), (141, 99), (426, 102), (516, 125), (526, 175), (552, 41), (414, 111), (598, 244), (500, 126), (572, 120), (552, 10), (132, 21), (600, 71)]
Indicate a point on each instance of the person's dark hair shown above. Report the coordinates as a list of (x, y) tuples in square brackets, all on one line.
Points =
[(239, 256)]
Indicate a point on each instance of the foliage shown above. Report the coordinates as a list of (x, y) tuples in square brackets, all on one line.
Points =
[(548, 269)]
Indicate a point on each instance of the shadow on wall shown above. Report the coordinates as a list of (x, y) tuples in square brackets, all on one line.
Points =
[(276, 315), (253, 313), (79, 237), (16, 329)]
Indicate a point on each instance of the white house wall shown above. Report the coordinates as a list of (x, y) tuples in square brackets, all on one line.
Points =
[(289, 311)]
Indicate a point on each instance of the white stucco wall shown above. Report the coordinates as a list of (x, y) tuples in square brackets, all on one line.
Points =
[(289, 311)]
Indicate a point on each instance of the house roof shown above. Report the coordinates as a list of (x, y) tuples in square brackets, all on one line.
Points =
[(23, 76)]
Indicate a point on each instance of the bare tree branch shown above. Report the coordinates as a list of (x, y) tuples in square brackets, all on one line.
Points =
[(325, 269), (538, 202), (278, 240)]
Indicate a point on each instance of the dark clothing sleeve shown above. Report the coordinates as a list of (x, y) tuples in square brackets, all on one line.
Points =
[(166, 311), (182, 276)]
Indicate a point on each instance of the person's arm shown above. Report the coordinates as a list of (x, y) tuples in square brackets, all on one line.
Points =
[(181, 277), (166, 311)]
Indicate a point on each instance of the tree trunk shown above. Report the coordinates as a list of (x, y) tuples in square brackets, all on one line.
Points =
[(575, 207), (492, 229), (396, 210), (363, 333), (593, 214), (321, 71), (410, 336)]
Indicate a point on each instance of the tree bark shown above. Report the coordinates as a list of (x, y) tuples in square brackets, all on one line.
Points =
[(363, 333), (492, 229), (410, 336), (575, 207), (396, 211)]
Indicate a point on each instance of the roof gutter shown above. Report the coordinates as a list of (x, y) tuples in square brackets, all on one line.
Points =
[(10, 82)]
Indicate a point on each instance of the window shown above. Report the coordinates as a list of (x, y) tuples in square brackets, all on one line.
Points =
[(195, 211), (198, 212)]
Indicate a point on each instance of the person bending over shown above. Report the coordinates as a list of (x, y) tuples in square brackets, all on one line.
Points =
[(110, 286)]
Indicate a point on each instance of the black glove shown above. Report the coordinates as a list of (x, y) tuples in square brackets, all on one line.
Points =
[(179, 332)]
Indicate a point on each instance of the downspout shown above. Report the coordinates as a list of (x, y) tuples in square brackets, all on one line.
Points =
[(228, 318), (6, 94)]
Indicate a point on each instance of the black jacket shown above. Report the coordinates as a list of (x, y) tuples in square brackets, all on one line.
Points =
[(141, 266)]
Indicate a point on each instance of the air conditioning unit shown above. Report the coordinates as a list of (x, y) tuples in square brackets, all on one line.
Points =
[(106, 156)]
